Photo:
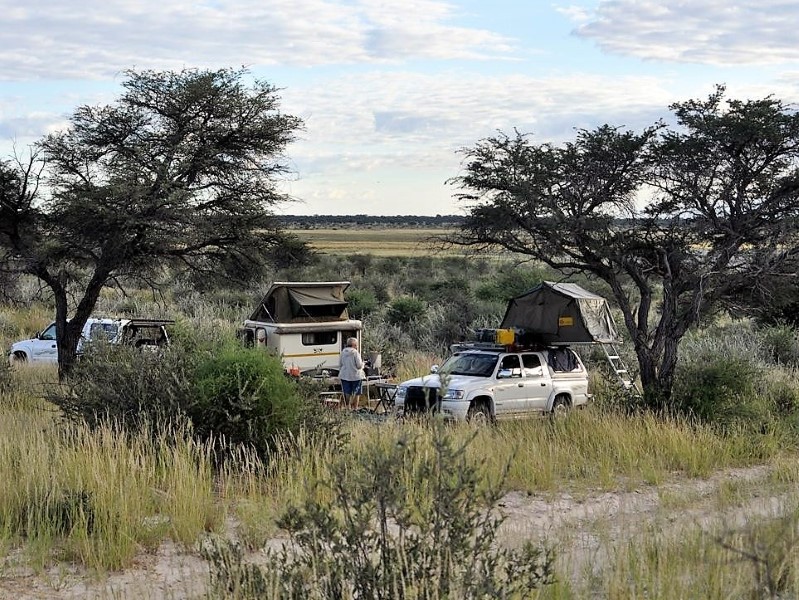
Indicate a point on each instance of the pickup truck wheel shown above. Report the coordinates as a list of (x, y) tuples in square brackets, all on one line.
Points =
[(561, 406), (18, 359), (479, 414)]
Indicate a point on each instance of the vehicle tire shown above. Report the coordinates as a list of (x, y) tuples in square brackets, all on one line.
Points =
[(479, 414), (18, 359), (560, 406)]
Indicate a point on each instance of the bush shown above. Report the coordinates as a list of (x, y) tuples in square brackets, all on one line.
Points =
[(126, 387), (510, 282), (722, 390), (405, 309), (228, 394), (361, 303), (244, 395), (781, 342), (403, 522)]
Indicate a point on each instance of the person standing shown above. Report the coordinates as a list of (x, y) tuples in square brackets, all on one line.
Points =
[(351, 373)]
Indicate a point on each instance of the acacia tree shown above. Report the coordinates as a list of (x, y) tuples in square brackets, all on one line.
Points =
[(675, 219), (179, 171)]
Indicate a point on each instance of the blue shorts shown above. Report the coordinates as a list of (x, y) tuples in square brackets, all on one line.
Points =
[(351, 388)]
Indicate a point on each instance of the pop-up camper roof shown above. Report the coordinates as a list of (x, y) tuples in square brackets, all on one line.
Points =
[(303, 302), (553, 313)]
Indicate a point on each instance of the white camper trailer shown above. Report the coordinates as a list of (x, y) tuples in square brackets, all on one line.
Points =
[(306, 323)]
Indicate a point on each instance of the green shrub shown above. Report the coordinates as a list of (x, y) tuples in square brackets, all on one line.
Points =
[(722, 390), (784, 394), (401, 521), (781, 342), (361, 303), (509, 283), (127, 387), (56, 511), (405, 309), (244, 396), (225, 393), (362, 262)]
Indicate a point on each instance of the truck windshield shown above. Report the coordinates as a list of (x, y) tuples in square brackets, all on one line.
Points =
[(477, 365)]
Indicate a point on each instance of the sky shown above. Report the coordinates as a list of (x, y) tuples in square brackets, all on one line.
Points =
[(391, 91)]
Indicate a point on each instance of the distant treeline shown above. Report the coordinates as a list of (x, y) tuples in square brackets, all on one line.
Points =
[(327, 221)]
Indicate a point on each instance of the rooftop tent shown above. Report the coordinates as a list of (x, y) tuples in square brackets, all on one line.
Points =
[(299, 302), (554, 313)]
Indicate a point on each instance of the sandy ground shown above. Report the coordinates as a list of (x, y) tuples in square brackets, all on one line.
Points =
[(583, 529)]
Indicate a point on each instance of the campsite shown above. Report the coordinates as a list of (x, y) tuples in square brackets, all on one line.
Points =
[(616, 502)]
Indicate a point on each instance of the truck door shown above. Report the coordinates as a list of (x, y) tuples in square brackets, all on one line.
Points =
[(537, 383), (43, 347), (510, 395)]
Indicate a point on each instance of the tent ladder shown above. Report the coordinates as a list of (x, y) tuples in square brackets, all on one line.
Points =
[(620, 369)]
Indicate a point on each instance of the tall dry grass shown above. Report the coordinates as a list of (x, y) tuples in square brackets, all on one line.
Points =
[(100, 497)]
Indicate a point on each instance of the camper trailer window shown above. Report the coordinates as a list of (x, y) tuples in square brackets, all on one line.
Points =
[(319, 338)]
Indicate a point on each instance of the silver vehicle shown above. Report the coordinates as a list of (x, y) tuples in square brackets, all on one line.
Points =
[(141, 333), (486, 384)]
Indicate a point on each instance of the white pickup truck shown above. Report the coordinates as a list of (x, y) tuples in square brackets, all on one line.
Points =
[(490, 384), (41, 349)]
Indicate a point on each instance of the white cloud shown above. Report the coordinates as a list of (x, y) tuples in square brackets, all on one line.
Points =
[(713, 32), (96, 38), (382, 133)]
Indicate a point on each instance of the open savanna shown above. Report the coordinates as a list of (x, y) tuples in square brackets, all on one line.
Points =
[(378, 241), (633, 504)]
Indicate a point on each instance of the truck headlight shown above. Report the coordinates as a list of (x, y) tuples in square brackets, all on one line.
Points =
[(453, 395), (401, 391)]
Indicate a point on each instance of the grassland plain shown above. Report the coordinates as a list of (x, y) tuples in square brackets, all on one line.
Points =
[(634, 506), (379, 241)]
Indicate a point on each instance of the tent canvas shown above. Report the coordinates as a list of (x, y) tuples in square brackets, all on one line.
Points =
[(553, 313), (302, 302)]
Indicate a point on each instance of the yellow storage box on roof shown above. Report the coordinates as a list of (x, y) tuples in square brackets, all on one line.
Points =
[(505, 336)]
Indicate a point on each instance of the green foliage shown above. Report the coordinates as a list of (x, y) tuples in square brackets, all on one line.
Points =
[(362, 262), (127, 387), (724, 391), (405, 309), (782, 343), (56, 512), (395, 528), (668, 263), (243, 396), (229, 395), (361, 302), (785, 397), (511, 282), (207, 213), (287, 252)]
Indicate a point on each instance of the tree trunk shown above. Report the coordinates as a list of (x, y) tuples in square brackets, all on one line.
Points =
[(68, 332), (67, 350), (647, 364), (657, 372)]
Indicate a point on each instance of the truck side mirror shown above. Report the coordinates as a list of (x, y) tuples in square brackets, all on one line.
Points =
[(504, 373), (434, 369)]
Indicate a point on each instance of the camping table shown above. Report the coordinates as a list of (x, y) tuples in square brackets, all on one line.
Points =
[(386, 392)]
